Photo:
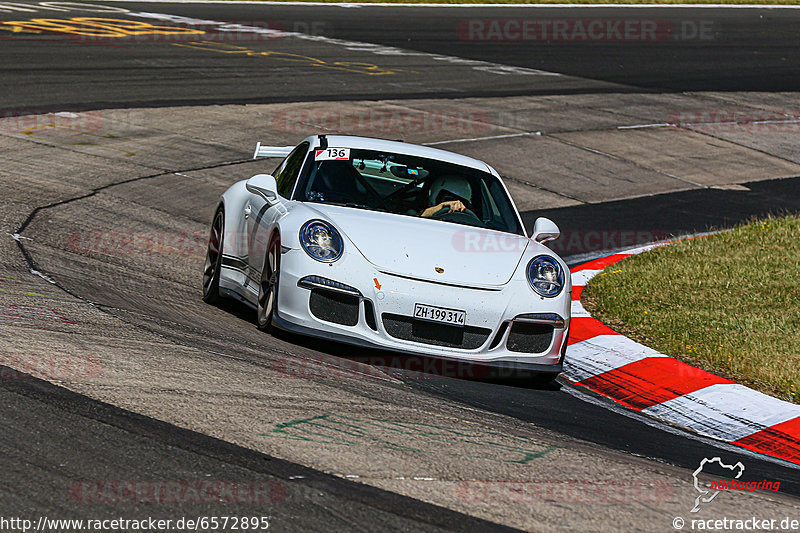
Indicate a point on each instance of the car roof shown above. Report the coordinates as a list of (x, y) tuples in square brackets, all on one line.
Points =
[(400, 147)]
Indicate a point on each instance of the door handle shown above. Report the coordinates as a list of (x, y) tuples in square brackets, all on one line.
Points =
[(247, 210)]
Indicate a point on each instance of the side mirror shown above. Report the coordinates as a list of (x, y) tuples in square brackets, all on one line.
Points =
[(264, 185), (545, 230)]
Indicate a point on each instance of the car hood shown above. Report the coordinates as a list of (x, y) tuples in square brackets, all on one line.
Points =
[(419, 247)]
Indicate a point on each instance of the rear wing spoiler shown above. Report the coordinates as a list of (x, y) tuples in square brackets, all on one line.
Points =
[(271, 151)]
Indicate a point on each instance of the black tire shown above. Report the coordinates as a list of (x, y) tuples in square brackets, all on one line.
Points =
[(213, 264), (268, 287)]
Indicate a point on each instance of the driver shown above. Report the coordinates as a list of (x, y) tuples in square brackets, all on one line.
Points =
[(453, 192)]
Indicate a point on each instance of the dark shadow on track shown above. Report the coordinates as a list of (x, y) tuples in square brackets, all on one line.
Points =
[(676, 213), (404, 366), (93, 444), (591, 230)]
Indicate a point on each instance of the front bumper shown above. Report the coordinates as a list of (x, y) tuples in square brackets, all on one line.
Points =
[(506, 327)]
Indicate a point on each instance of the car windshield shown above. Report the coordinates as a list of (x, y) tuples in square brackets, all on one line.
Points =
[(407, 185)]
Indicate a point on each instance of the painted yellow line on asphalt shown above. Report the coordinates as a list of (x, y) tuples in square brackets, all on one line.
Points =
[(95, 27), (348, 66)]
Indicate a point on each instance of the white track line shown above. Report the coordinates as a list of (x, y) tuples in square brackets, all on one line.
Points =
[(638, 126), (528, 6), (489, 138), (377, 49)]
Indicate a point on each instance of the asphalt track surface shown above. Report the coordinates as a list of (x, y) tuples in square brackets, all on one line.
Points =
[(682, 213), (113, 444), (701, 49), (709, 49), (752, 50)]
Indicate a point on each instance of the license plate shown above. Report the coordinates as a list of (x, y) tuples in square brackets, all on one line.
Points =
[(432, 313)]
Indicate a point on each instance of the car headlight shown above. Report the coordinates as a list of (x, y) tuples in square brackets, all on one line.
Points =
[(321, 241), (545, 276)]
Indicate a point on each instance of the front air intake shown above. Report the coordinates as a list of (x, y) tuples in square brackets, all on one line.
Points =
[(529, 338), (408, 329), (334, 307)]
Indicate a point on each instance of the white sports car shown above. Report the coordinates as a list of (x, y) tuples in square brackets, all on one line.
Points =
[(389, 245)]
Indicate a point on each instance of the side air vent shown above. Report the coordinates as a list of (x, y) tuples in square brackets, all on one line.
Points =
[(369, 315), (499, 337)]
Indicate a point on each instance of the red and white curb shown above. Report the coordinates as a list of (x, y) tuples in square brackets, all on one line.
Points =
[(644, 380)]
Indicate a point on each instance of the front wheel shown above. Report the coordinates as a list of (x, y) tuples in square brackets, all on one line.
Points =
[(268, 288), (213, 264)]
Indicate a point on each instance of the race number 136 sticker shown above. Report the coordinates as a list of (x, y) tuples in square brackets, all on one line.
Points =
[(332, 153)]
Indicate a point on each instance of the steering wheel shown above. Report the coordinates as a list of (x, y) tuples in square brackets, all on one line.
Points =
[(467, 216)]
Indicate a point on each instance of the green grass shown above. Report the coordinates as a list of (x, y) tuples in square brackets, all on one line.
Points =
[(728, 303), (642, 2)]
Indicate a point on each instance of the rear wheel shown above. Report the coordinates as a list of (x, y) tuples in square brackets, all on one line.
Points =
[(268, 288), (213, 264)]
